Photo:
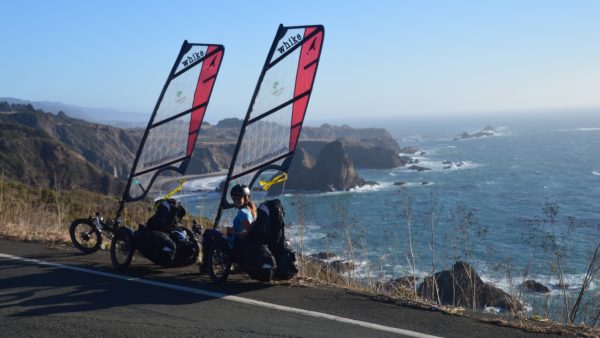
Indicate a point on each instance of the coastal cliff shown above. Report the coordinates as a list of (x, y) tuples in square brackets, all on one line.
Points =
[(47, 150)]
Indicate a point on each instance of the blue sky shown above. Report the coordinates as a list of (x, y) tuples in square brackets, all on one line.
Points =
[(381, 58)]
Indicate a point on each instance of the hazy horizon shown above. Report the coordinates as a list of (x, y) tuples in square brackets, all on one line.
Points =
[(394, 58), (446, 124)]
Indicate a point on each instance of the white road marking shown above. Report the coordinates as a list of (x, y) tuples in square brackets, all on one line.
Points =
[(224, 296)]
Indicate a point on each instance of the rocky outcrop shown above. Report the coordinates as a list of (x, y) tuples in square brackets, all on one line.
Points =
[(329, 260), (333, 170), (534, 286), (461, 286), (375, 157), (367, 136), (406, 282), (364, 154), (453, 165), (487, 131), (418, 168)]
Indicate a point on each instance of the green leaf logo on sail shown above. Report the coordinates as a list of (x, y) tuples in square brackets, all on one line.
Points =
[(180, 97), (277, 89)]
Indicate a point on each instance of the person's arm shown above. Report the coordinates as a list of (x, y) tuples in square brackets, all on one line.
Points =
[(246, 225)]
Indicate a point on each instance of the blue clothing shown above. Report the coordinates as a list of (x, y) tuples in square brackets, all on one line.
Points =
[(243, 214)]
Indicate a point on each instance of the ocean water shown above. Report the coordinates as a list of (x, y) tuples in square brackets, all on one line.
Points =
[(505, 203)]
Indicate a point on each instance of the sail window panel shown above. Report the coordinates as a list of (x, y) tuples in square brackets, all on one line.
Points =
[(140, 184), (195, 54), (291, 38), (179, 95), (278, 85), (165, 143), (264, 140), (258, 194)]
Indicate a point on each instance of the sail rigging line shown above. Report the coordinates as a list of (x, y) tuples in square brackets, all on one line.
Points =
[(175, 117), (264, 166), (166, 165), (165, 145), (283, 105), (299, 49)]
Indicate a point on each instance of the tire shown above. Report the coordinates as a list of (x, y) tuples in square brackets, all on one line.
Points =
[(192, 237), (122, 248), (85, 236), (219, 260)]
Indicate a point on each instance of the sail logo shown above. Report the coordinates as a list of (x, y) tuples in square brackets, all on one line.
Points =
[(289, 43), (312, 46), (277, 89), (180, 97), (192, 58)]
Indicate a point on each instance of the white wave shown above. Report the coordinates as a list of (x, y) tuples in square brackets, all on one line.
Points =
[(596, 173), (362, 269), (442, 165), (364, 189), (459, 165), (573, 283), (204, 184), (414, 155), (414, 184), (303, 234), (585, 129), (369, 188)]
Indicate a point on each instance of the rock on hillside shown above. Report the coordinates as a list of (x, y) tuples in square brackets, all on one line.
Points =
[(461, 286), (332, 171), (335, 169), (367, 136), (364, 154)]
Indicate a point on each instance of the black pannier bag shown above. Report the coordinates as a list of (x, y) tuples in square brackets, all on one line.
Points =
[(162, 242), (157, 246), (256, 260), (269, 230)]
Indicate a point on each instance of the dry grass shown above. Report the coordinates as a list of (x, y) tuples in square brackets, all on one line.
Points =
[(44, 215)]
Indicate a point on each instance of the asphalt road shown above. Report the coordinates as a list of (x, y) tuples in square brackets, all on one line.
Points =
[(60, 293)]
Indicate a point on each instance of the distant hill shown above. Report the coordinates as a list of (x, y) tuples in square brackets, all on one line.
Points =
[(108, 116), (55, 150), (47, 150)]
